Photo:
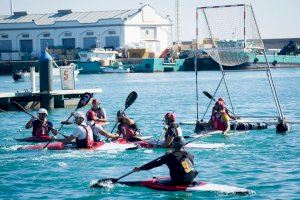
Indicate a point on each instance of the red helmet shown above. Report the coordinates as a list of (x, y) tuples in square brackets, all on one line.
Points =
[(170, 116), (91, 115), (95, 102), (221, 99)]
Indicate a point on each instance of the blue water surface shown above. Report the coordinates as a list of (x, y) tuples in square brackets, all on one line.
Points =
[(260, 160)]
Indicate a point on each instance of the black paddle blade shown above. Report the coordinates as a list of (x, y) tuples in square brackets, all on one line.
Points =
[(17, 106), (66, 122), (84, 100), (130, 99), (104, 183), (207, 94)]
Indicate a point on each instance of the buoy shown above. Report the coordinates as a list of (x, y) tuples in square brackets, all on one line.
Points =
[(282, 127)]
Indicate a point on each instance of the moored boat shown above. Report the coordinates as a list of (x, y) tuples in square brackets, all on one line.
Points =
[(22, 76)]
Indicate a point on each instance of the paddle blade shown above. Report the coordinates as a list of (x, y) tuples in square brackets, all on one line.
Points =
[(130, 99), (104, 183), (207, 94), (17, 106), (84, 100)]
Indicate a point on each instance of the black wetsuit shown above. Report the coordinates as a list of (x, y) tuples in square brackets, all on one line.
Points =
[(180, 164)]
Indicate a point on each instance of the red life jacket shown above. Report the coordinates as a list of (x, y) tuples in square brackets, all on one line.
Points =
[(42, 131), (98, 113), (218, 124), (89, 139), (128, 131)]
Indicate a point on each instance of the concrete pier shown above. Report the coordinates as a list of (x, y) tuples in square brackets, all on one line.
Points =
[(31, 100)]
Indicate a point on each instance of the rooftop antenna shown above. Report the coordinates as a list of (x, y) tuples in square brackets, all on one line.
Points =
[(11, 7), (177, 21)]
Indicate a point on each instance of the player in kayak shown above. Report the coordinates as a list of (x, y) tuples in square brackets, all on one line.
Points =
[(99, 111), (41, 126), (179, 162), (83, 133), (128, 128), (98, 130), (172, 129), (220, 120)]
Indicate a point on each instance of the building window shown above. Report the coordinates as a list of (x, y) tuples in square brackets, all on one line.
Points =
[(46, 44), (68, 43), (89, 42), (46, 35), (26, 46), (25, 35), (112, 42), (68, 34), (111, 32), (148, 33), (5, 45), (89, 33), (4, 36)]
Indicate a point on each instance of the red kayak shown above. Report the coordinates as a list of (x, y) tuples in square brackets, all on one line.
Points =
[(164, 183), (61, 146), (35, 139), (116, 145)]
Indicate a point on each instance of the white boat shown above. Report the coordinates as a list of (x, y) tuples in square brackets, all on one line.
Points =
[(117, 67), (21, 76)]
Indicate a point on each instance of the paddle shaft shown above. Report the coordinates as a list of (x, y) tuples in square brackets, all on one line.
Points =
[(212, 98), (129, 101), (66, 120), (116, 123), (22, 109)]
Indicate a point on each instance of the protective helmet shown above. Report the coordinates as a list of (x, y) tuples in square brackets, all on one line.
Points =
[(170, 116), (91, 115), (79, 115), (120, 113), (43, 111), (95, 102), (178, 142), (221, 99)]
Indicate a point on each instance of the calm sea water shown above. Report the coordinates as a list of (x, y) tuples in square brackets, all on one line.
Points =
[(263, 161)]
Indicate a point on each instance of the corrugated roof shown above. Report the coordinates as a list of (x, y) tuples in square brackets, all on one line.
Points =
[(81, 17)]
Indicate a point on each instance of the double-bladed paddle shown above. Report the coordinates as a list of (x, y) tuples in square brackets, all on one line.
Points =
[(129, 101), (102, 182), (84, 100), (212, 98)]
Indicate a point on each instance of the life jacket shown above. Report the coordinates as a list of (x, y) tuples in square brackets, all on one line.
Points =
[(88, 141), (178, 131), (128, 131), (42, 130), (99, 113), (186, 171), (218, 124)]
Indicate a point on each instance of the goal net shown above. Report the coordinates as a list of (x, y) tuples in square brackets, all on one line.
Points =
[(228, 34)]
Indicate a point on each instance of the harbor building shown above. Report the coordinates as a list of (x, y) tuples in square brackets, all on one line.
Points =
[(32, 33)]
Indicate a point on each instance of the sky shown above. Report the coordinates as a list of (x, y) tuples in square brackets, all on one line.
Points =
[(275, 18)]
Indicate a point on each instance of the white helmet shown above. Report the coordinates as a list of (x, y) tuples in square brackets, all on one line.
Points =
[(79, 115), (43, 111)]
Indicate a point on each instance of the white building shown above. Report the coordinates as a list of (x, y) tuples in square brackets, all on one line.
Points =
[(34, 32)]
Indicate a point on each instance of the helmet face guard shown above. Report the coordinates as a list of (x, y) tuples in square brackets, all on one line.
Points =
[(169, 117)]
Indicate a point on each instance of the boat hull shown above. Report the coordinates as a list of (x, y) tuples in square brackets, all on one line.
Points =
[(164, 184)]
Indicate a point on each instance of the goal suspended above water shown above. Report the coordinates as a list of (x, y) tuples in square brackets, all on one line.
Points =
[(228, 34)]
